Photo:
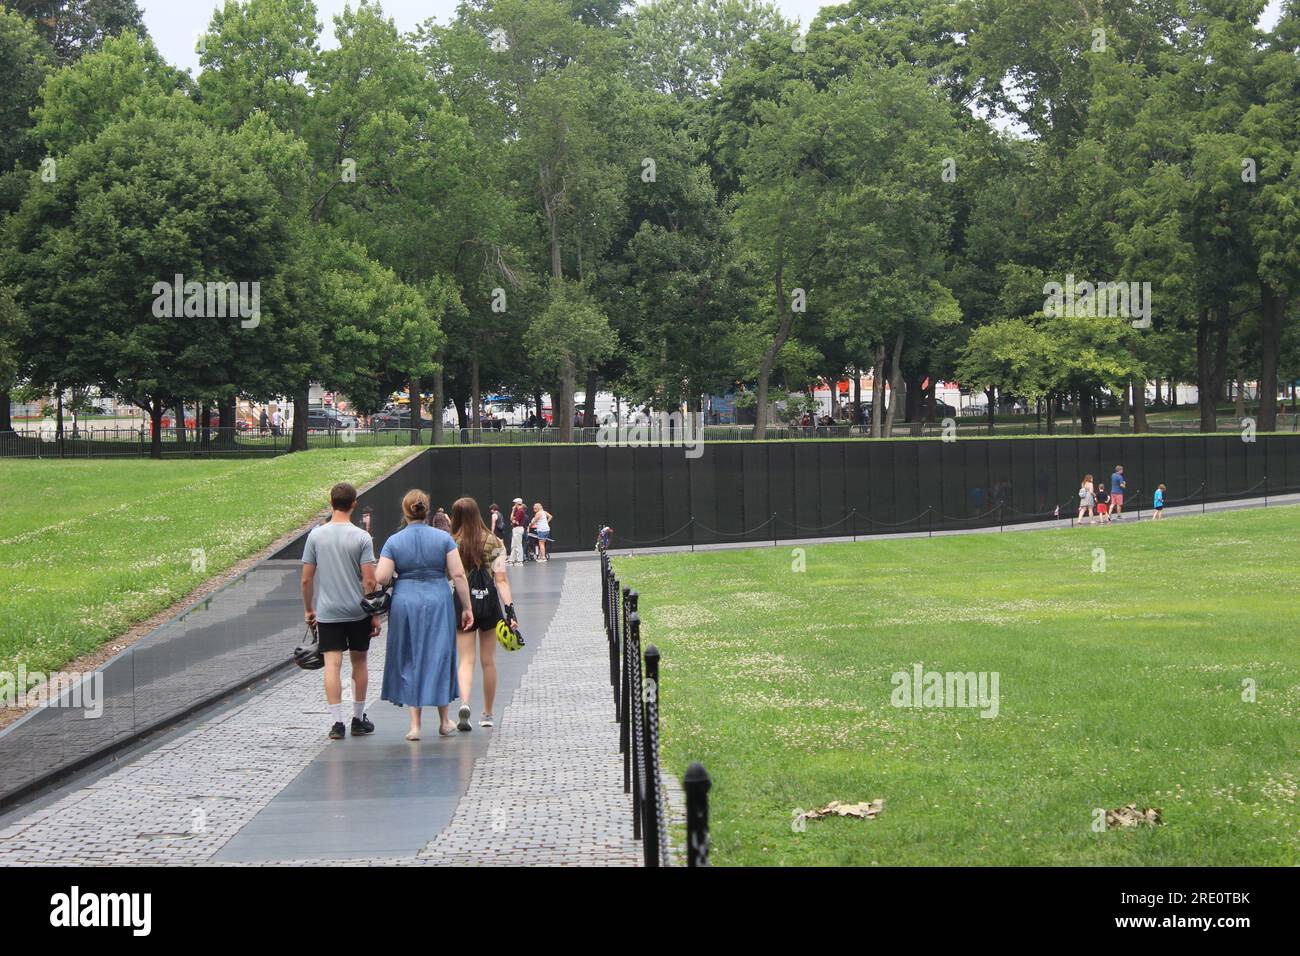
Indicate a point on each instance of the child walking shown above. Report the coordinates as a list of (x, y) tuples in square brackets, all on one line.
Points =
[(1158, 503)]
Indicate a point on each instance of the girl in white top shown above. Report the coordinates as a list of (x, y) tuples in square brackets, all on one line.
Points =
[(541, 524)]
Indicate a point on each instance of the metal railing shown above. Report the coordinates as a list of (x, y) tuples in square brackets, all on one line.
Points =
[(636, 706)]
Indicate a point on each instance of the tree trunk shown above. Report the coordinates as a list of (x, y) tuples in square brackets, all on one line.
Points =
[(562, 401), (202, 429), (785, 319), (1087, 412), (1138, 387), (413, 391), (6, 410), (877, 389), (298, 435), (589, 406), (475, 395), (1270, 344), (857, 394), (155, 418), (180, 422), (1211, 352), (990, 396), (439, 400), (896, 387), (537, 401), (58, 421), (1051, 413)]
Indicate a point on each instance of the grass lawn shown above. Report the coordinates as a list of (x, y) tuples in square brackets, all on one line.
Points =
[(90, 548), (1115, 687)]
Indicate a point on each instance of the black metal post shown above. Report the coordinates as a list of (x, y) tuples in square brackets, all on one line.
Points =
[(650, 733), (696, 783), (692, 534), (634, 706), (774, 529), (855, 538)]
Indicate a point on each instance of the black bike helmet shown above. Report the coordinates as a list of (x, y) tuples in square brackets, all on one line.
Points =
[(308, 655)]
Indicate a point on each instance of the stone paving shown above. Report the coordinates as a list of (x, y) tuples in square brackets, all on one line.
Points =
[(549, 790)]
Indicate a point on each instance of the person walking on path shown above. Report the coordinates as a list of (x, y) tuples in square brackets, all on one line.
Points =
[(1118, 485), (338, 570), (264, 422), (541, 526), (1087, 499), (420, 664), (1158, 503), (485, 561), (518, 527)]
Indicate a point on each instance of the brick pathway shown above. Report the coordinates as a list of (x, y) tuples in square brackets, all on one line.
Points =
[(549, 790)]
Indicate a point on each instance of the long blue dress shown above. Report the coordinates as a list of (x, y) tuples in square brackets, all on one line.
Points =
[(420, 659)]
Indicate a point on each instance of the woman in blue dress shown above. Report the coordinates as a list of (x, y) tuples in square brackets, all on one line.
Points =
[(420, 660)]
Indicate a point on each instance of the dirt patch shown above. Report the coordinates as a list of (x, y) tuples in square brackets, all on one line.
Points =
[(114, 646)]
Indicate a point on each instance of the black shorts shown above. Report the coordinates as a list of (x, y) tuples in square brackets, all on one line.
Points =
[(344, 636)]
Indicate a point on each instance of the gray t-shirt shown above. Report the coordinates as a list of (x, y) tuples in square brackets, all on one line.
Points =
[(338, 551)]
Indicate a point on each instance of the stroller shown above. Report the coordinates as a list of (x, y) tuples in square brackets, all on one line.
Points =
[(530, 545)]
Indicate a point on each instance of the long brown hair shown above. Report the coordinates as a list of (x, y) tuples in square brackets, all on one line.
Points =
[(472, 537)]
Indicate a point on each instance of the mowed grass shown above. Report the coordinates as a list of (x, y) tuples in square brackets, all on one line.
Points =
[(1116, 687), (90, 548)]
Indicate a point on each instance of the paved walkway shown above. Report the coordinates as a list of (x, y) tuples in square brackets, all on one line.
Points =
[(258, 783)]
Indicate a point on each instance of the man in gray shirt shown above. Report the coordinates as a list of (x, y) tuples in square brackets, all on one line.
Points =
[(338, 570)]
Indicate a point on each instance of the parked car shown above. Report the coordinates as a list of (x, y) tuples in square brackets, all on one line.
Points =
[(214, 421), (324, 419), (396, 419)]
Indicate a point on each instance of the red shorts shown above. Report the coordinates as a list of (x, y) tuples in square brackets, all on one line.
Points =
[(1102, 508)]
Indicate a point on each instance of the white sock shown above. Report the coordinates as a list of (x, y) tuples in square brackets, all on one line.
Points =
[(336, 712), (358, 709)]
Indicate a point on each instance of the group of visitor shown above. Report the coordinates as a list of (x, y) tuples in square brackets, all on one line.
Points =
[(1099, 504), (450, 590)]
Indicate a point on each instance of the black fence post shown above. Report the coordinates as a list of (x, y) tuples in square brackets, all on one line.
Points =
[(692, 534), (1266, 491), (614, 646), (855, 538), (696, 783), (651, 801), (774, 529), (634, 706), (624, 692)]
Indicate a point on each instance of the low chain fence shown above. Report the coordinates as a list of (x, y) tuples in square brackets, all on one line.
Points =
[(635, 678)]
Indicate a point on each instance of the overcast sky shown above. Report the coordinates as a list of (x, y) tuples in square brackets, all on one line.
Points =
[(174, 24)]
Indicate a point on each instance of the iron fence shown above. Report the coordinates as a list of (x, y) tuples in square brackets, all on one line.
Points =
[(92, 441), (636, 706)]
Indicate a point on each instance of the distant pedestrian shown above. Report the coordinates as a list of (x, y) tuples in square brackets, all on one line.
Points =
[(1087, 499), (518, 528), (541, 526), (264, 422), (499, 523), (484, 559), (420, 662), (1118, 485), (1159, 503), (441, 521), (338, 571), (277, 423), (1103, 503)]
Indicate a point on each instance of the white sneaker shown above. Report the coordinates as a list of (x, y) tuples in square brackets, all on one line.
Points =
[(463, 723), (486, 721)]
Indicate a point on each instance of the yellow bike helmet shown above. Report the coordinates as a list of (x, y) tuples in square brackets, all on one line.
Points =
[(511, 640)]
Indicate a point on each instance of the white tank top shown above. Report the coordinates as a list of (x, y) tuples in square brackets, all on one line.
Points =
[(542, 523)]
